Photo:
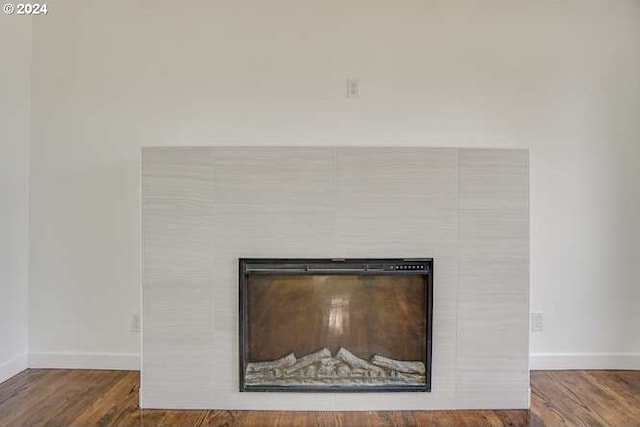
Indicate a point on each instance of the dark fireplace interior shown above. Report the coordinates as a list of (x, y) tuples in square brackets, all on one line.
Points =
[(335, 325)]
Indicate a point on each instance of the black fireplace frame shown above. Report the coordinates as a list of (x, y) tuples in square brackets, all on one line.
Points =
[(335, 266)]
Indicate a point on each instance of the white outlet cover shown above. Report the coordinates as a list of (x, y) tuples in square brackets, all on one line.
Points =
[(353, 88), (537, 321), (135, 322)]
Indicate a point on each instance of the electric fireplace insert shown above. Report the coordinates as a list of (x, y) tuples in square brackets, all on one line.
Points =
[(336, 325)]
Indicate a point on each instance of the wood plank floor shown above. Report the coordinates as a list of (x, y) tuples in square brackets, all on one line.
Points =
[(44, 397)]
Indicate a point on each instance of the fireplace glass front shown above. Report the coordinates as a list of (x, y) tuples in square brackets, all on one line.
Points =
[(336, 324)]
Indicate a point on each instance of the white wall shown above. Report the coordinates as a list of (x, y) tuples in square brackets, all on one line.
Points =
[(557, 77), (15, 94)]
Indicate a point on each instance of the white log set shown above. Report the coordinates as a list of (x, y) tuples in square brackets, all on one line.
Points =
[(403, 366), (283, 362), (345, 369)]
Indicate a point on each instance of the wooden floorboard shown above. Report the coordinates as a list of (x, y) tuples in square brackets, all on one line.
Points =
[(45, 397)]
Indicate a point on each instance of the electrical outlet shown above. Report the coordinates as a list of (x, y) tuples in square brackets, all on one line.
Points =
[(135, 322), (537, 322), (353, 88)]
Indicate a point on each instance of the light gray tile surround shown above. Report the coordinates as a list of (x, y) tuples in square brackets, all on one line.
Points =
[(204, 207)]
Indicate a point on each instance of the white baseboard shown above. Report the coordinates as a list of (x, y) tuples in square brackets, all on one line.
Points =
[(13, 367), (611, 361), (131, 361), (114, 361)]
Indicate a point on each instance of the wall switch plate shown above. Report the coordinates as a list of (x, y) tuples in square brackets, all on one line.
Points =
[(537, 323), (353, 88), (135, 322)]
